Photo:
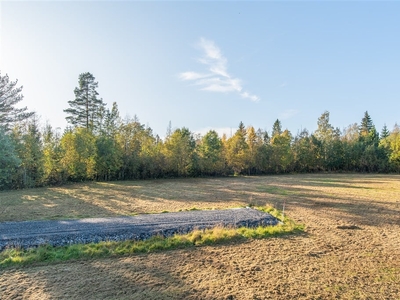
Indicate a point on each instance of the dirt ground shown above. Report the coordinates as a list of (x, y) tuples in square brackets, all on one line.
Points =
[(350, 250)]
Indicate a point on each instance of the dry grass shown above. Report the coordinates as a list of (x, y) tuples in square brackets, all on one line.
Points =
[(351, 249)]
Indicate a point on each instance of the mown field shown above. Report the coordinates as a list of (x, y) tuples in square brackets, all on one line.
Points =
[(350, 248)]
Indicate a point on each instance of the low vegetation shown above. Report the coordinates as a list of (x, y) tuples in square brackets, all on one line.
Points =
[(216, 235), (349, 249)]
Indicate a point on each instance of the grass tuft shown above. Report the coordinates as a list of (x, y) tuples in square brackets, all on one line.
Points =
[(217, 235)]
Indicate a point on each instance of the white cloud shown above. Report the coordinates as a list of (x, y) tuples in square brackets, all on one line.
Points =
[(287, 114), (250, 96), (217, 78), (192, 76)]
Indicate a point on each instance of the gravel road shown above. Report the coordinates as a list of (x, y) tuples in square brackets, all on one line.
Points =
[(64, 232)]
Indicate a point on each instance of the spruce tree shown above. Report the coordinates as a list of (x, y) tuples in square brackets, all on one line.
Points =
[(385, 132), (10, 95), (85, 110), (366, 124), (276, 128)]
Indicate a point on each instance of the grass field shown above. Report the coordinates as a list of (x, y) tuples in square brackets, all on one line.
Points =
[(350, 248)]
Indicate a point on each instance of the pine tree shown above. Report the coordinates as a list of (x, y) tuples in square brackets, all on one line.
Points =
[(10, 95), (85, 110)]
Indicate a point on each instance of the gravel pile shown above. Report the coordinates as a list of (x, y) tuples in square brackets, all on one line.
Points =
[(66, 232)]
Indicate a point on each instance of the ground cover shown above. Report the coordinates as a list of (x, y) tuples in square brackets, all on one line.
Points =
[(350, 250)]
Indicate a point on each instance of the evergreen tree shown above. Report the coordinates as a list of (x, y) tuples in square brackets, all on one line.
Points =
[(253, 144), (366, 124), (385, 132), (237, 148), (277, 128), (28, 144), (85, 110), (242, 129), (9, 160), (10, 95)]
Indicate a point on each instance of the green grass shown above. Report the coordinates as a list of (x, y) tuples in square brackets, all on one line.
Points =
[(218, 235), (275, 190)]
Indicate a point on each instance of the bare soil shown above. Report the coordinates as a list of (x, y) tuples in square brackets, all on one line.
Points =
[(350, 250)]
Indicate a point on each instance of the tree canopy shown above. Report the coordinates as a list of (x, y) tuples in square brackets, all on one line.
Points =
[(86, 110), (10, 95), (99, 145)]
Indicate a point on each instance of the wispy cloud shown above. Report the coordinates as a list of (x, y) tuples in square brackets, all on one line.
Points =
[(287, 114), (217, 77)]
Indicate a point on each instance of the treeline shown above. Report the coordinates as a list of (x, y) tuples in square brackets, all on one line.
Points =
[(99, 145)]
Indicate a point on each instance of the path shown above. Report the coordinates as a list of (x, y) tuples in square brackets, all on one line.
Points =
[(63, 232)]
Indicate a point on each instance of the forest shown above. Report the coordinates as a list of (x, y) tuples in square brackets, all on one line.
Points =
[(99, 145)]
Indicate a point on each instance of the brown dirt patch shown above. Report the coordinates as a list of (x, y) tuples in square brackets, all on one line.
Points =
[(351, 248)]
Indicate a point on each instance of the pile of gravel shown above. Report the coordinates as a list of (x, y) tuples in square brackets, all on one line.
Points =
[(92, 230)]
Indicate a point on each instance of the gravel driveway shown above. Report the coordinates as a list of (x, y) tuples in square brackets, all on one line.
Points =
[(64, 232)]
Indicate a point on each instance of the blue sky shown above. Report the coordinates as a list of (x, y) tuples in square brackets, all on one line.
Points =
[(207, 65)]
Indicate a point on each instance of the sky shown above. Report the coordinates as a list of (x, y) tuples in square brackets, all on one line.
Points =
[(209, 65)]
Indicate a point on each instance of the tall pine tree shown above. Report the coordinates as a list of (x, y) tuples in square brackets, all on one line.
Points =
[(10, 95), (85, 110)]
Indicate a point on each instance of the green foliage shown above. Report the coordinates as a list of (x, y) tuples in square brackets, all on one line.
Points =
[(108, 158), (304, 152), (237, 151), (391, 146), (100, 146), (86, 109), (29, 147), (210, 151), (277, 128), (324, 132), (282, 155), (9, 160), (10, 95), (52, 155), (79, 152), (179, 153), (385, 132), (366, 125)]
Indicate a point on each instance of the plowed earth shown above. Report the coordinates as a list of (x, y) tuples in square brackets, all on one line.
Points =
[(350, 250)]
